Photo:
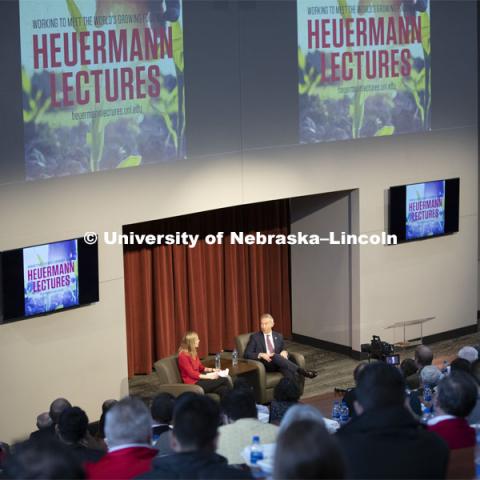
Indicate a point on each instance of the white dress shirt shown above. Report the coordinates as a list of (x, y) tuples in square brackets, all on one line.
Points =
[(440, 418)]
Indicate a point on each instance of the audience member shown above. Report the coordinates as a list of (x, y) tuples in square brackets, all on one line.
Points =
[(44, 420), (468, 353), (72, 429), (385, 441), (42, 458), (430, 376), (298, 413), (194, 436), (106, 406), (162, 413), (4, 452), (56, 408), (475, 371), (307, 412), (241, 425), (128, 433), (408, 367), (423, 357), (263, 412), (285, 394), (295, 458), (350, 396), (461, 365), (474, 417), (455, 398)]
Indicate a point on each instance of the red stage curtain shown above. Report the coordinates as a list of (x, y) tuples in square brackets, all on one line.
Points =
[(217, 290)]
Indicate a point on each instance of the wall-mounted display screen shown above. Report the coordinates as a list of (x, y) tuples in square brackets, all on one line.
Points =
[(422, 210), (364, 68), (50, 277), (103, 84), (46, 278)]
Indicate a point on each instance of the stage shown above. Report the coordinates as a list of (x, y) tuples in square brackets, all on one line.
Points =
[(334, 370)]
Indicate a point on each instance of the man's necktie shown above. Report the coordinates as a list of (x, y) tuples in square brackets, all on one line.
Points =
[(270, 347)]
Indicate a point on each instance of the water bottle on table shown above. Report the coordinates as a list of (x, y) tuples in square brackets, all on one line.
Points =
[(256, 450), (344, 413), (218, 363), (336, 411), (234, 358), (427, 394)]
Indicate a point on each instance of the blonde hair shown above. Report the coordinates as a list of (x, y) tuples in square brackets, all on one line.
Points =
[(188, 344)]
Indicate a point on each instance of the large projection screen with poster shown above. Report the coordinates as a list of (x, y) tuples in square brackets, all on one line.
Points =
[(102, 84), (364, 68)]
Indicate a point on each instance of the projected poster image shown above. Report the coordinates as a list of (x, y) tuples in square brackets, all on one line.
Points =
[(50, 274), (364, 68), (425, 210), (103, 84)]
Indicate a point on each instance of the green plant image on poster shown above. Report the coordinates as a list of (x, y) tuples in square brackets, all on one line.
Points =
[(364, 68), (103, 84)]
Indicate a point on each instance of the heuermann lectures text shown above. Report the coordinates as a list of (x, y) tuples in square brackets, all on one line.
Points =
[(99, 47), (51, 276), (328, 34)]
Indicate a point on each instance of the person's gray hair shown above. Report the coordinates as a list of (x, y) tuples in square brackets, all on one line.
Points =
[(300, 412), (44, 420), (430, 375), (468, 353), (128, 421)]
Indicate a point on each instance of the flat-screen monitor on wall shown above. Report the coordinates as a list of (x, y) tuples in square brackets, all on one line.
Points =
[(423, 210), (46, 278)]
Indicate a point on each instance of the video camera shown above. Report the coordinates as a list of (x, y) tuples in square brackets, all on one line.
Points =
[(380, 350)]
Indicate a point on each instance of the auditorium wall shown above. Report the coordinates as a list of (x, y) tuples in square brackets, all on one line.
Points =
[(81, 353), (322, 275)]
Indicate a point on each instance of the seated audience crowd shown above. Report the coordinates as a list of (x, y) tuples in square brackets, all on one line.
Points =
[(395, 430)]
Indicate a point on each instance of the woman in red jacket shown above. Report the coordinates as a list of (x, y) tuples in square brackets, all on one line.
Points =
[(193, 372)]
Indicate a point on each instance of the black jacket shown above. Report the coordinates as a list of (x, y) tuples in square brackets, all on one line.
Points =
[(195, 465), (256, 344), (46, 433), (390, 443)]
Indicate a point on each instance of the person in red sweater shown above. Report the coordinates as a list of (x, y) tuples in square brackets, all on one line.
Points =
[(193, 372), (455, 398), (128, 433)]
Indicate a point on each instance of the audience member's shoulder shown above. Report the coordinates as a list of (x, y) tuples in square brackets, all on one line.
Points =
[(435, 440), (227, 472), (194, 465), (43, 433)]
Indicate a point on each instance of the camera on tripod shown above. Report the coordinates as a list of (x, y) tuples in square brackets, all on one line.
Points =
[(379, 350)]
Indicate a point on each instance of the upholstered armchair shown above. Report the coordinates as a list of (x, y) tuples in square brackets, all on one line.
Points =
[(171, 381), (265, 382)]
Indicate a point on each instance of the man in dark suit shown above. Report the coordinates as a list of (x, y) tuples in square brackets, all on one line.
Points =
[(268, 347), (385, 440)]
